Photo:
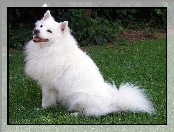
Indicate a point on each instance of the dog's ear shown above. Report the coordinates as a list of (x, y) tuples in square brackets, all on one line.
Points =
[(47, 15), (45, 5), (64, 25)]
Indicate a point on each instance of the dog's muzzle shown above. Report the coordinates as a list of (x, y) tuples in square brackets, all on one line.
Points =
[(36, 37)]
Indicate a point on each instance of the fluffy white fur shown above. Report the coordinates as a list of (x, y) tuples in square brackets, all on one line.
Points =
[(69, 76)]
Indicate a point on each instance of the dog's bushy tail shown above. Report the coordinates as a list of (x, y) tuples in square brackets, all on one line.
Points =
[(132, 98)]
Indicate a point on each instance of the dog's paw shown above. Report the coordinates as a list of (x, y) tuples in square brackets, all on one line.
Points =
[(75, 114), (44, 106)]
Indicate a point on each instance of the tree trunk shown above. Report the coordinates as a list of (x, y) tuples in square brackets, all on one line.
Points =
[(87, 13)]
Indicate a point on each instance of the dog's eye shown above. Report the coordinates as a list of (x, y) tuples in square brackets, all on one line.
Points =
[(41, 25), (49, 31)]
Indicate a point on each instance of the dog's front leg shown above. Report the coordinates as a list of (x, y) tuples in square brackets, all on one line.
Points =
[(49, 97)]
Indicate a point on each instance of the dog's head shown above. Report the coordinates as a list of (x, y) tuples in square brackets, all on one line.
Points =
[(47, 29)]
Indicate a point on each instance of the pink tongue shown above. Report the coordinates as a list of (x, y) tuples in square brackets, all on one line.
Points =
[(35, 38)]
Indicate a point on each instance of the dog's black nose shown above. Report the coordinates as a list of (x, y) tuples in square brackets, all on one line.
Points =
[(36, 31)]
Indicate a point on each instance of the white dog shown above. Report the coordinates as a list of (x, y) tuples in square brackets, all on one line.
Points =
[(69, 76)]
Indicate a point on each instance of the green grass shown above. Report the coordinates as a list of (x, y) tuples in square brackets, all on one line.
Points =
[(141, 63)]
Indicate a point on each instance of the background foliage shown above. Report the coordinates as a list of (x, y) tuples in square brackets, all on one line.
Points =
[(93, 26)]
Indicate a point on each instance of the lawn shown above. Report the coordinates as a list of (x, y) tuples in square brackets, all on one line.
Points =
[(141, 63)]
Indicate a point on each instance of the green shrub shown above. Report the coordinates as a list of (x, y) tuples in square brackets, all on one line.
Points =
[(102, 26), (19, 36), (98, 32)]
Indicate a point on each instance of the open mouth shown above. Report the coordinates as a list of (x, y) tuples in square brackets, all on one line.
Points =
[(38, 39)]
